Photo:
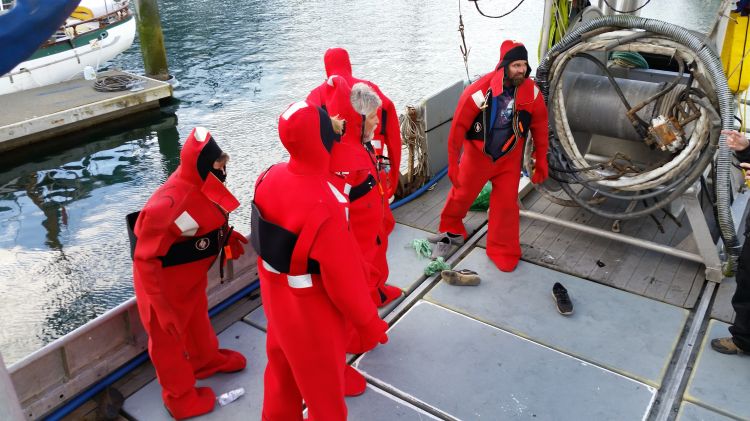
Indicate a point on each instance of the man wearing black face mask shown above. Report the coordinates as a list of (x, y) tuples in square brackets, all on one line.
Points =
[(179, 234)]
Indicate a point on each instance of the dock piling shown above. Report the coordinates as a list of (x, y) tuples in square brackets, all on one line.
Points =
[(152, 39)]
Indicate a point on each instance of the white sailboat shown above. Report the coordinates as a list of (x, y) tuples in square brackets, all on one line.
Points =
[(97, 31)]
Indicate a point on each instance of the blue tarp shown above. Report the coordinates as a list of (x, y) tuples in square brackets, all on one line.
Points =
[(27, 25)]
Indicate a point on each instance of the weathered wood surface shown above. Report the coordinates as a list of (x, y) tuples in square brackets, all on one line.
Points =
[(664, 278), (722, 305)]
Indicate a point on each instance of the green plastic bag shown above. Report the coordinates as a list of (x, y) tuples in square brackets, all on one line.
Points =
[(482, 202), (435, 266)]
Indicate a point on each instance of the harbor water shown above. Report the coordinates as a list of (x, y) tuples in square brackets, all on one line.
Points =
[(64, 252)]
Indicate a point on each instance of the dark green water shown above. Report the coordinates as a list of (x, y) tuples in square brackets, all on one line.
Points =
[(64, 256)]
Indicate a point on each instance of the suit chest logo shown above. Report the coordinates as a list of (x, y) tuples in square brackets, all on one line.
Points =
[(477, 127), (202, 244)]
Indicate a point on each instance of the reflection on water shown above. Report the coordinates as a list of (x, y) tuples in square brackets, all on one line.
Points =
[(64, 256), (62, 240)]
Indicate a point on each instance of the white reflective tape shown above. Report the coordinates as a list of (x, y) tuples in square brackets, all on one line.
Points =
[(340, 197), (267, 266), (293, 109), (478, 98), (376, 144), (187, 225), (346, 213), (347, 188), (299, 281), (201, 134), (536, 91)]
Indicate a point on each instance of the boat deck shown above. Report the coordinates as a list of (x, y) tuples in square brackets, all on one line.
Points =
[(501, 350)]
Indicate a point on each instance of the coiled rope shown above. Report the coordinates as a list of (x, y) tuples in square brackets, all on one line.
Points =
[(414, 139), (116, 83)]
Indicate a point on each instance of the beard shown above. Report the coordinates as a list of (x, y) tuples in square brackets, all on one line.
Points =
[(514, 80)]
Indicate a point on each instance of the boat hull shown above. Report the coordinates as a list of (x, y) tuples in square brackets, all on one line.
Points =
[(64, 61)]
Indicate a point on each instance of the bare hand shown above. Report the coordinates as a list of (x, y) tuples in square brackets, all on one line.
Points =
[(746, 166), (736, 140), (338, 124)]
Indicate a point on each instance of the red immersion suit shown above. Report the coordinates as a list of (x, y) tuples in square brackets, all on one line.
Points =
[(313, 282), (190, 209), (372, 236), (470, 131)]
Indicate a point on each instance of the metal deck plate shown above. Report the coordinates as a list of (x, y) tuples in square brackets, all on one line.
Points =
[(692, 412), (471, 370), (405, 266), (406, 270), (257, 318), (720, 382), (377, 405), (630, 334), (146, 404)]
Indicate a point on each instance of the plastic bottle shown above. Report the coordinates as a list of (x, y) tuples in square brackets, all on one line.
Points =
[(231, 396), (89, 73)]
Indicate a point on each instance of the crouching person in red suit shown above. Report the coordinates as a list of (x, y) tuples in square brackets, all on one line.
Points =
[(492, 121), (180, 232), (311, 273)]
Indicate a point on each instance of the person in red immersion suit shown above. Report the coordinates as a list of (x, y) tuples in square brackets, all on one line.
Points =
[(359, 106), (492, 121), (179, 234), (311, 272), (385, 137)]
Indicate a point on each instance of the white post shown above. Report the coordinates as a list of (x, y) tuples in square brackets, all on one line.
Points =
[(546, 19), (10, 408), (623, 5), (719, 28)]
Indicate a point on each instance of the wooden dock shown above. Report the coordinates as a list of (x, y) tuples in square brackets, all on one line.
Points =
[(43, 113)]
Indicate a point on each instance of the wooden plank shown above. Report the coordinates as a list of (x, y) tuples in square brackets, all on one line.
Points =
[(537, 249), (722, 305), (567, 236), (534, 227), (579, 244), (416, 209), (527, 203), (430, 216), (620, 259), (663, 276), (557, 245), (642, 276), (681, 285), (592, 249), (697, 287)]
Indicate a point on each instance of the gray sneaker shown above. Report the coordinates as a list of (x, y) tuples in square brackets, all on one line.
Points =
[(442, 248), (456, 241)]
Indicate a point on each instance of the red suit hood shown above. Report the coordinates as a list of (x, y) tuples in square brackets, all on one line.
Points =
[(510, 51), (197, 155), (306, 132), (337, 62)]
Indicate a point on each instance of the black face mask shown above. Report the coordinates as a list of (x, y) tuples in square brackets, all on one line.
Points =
[(221, 175), (327, 135), (210, 153)]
